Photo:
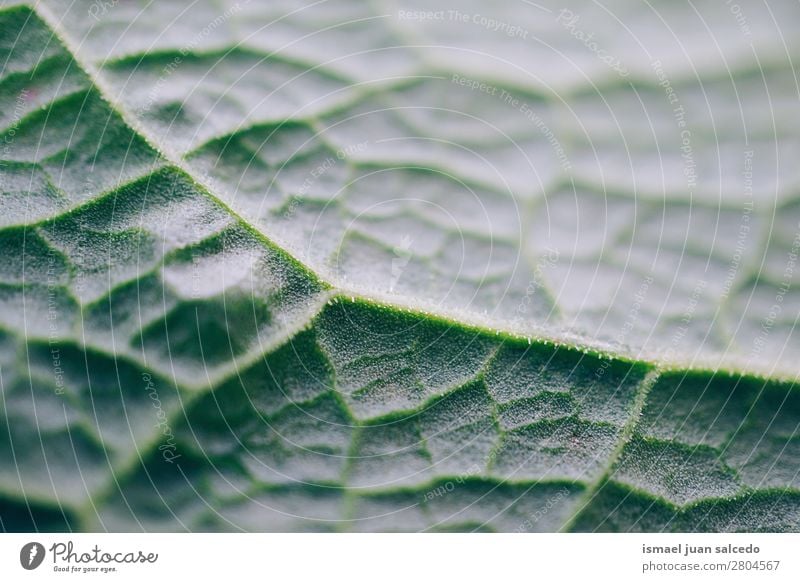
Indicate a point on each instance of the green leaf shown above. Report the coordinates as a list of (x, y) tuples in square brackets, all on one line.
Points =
[(342, 268)]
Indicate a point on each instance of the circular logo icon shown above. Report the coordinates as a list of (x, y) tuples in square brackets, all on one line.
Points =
[(31, 555)]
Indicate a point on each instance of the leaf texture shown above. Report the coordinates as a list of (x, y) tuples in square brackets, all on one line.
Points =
[(344, 267)]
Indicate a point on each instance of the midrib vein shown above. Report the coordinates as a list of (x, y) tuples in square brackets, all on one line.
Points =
[(415, 306)]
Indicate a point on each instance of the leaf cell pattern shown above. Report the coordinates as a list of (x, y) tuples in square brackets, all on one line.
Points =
[(382, 267)]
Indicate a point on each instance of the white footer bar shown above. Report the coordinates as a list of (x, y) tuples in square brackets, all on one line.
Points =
[(402, 557)]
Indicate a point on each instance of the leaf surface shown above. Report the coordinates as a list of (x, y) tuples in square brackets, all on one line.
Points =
[(344, 268)]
